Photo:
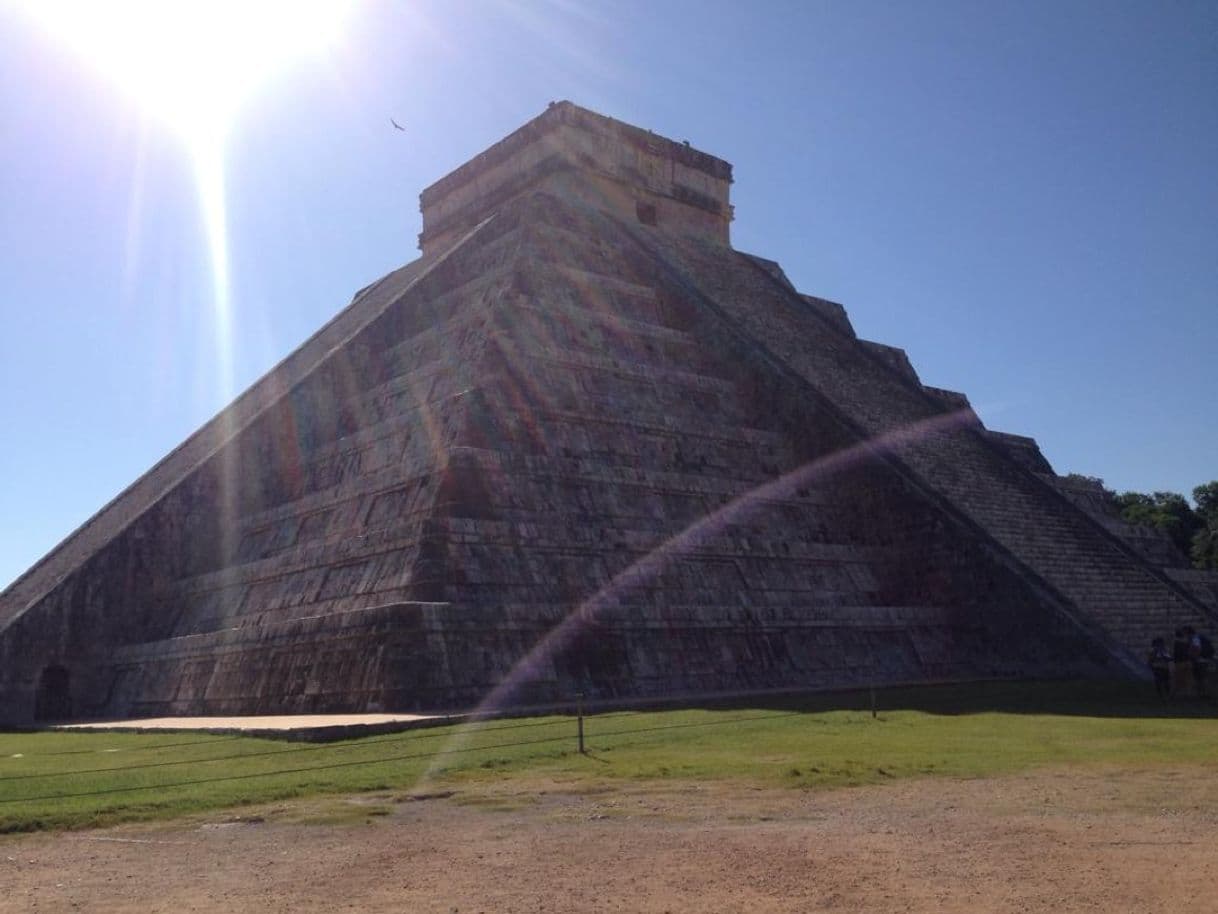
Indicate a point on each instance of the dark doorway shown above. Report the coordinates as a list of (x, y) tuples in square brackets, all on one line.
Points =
[(54, 699)]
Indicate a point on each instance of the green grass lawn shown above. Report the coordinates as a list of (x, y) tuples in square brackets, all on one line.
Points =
[(79, 779)]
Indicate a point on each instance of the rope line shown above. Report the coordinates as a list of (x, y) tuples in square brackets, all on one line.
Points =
[(190, 742), (362, 762), (319, 747), (267, 774)]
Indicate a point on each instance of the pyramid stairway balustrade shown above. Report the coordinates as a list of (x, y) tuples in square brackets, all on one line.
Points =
[(1002, 498)]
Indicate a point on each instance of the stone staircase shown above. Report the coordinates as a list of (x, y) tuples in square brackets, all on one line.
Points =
[(1104, 583)]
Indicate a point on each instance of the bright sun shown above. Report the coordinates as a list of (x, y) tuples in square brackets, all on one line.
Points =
[(191, 63)]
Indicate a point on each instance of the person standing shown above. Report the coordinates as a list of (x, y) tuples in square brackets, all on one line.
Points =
[(1201, 653), (1159, 661), (1181, 665)]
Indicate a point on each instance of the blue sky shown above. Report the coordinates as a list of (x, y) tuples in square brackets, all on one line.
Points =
[(1024, 196)]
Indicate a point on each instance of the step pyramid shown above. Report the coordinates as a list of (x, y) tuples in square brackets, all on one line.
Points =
[(580, 445)]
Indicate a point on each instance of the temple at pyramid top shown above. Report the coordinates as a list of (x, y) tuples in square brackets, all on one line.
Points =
[(579, 154)]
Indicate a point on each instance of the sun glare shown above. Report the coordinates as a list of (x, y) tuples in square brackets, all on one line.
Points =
[(191, 63)]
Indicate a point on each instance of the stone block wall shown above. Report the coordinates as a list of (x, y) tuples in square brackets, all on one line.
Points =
[(1094, 576), (614, 165), (583, 448)]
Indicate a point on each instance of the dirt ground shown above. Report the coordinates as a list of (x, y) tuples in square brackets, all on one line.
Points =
[(1047, 841)]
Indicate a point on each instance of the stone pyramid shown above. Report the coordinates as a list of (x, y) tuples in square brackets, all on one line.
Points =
[(580, 445)]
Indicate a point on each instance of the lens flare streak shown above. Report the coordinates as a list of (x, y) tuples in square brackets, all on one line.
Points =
[(648, 568)]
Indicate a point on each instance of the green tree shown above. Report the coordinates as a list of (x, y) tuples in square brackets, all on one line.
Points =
[(1206, 497), (1204, 551), (1168, 511)]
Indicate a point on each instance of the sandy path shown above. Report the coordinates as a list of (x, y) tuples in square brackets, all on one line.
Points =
[(264, 722), (1057, 841)]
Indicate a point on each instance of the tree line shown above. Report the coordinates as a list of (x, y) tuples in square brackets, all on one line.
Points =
[(1194, 530)]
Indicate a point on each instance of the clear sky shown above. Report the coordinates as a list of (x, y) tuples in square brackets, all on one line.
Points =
[(1024, 196)]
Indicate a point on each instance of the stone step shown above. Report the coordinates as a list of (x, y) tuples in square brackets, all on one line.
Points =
[(1046, 533), (763, 542), (394, 613)]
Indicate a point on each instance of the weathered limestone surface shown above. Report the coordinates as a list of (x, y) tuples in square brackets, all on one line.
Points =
[(1151, 543), (1094, 575), (580, 155), (1202, 584), (579, 446)]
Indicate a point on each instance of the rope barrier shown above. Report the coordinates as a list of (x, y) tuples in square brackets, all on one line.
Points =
[(357, 762)]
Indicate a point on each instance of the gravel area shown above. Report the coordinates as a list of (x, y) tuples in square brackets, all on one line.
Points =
[(1099, 840)]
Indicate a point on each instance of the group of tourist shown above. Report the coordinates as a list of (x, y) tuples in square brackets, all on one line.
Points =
[(1183, 669)]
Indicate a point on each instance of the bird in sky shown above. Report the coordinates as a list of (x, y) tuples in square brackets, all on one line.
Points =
[(396, 124)]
